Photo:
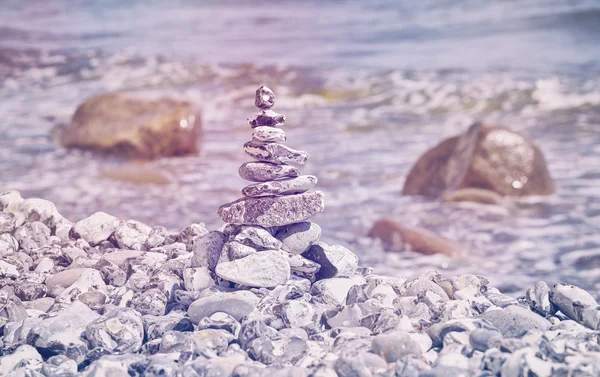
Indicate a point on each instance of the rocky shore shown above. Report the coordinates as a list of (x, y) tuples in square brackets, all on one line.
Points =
[(108, 297), (262, 295)]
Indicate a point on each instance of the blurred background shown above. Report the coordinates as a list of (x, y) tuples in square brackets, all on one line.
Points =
[(366, 86)]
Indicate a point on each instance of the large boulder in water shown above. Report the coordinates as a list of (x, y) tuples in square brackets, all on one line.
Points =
[(134, 126), (486, 157)]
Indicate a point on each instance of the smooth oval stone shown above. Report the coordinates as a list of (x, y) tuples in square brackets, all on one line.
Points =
[(267, 118), (268, 134), (265, 98), (571, 299), (265, 269), (275, 153), (335, 260), (237, 304), (273, 210), (289, 186), (264, 171)]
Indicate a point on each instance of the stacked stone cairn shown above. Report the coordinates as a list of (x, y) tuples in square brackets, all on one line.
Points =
[(267, 228), (261, 297)]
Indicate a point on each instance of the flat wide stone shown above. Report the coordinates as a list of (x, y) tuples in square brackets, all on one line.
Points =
[(288, 186), (268, 134), (273, 210), (265, 269), (267, 118), (275, 153), (264, 171)]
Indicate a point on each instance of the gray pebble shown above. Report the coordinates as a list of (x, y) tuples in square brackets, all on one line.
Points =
[(268, 134), (237, 304), (538, 298), (335, 260), (266, 269), (257, 237), (96, 228), (264, 98), (267, 118), (395, 345), (33, 235), (121, 330), (298, 237), (514, 321), (275, 153), (286, 186), (207, 249), (571, 300), (265, 171)]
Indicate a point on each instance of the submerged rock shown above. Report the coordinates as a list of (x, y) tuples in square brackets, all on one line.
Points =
[(133, 126), (416, 239), (486, 157)]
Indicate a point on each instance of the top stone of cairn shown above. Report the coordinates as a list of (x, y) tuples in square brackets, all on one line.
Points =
[(265, 98)]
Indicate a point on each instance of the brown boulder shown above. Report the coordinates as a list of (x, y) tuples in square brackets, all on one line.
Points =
[(485, 157), (134, 126), (416, 239)]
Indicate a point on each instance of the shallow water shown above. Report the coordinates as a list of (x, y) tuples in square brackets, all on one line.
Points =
[(366, 89)]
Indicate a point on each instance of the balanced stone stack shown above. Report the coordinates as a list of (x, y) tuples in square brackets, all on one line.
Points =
[(267, 238)]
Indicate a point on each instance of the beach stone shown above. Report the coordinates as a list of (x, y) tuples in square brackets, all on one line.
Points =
[(197, 279), (24, 356), (267, 118), (303, 267), (335, 260), (413, 238), (395, 345), (88, 280), (8, 270), (237, 304), (253, 328), (32, 235), (480, 339), (64, 279), (356, 363), (268, 134), (156, 326), (265, 98), (570, 300), (8, 222), (514, 321), (61, 334), (538, 298), (156, 237), (265, 171), (275, 153), (132, 125), (485, 156), (120, 331), (8, 244), (11, 308), (60, 366), (27, 291), (590, 317), (152, 302), (298, 237), (95, 228), (190, 233), (36, 209), (235, 250), (334, 290), (265, 269), (220, 321), (207, 249), (131, 234), (256, 237), (287, 186), (280, 349), (273, 211)]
